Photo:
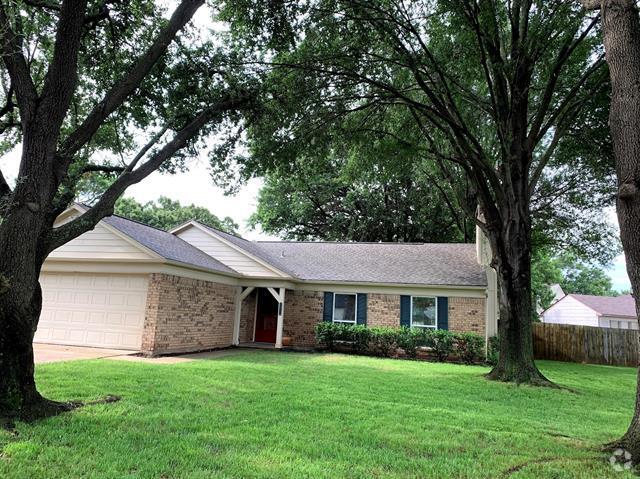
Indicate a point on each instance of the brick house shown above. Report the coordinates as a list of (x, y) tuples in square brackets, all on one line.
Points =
[(128, 285)]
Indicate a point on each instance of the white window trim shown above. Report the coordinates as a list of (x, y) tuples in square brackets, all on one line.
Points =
[(411, 325), (333, 309)]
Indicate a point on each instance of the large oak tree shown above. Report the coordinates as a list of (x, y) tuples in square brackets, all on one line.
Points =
[(493, 87), (91, 87)]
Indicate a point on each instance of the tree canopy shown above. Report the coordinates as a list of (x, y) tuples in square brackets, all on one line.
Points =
[(336, 200), (573, 274), (493, 92), (165, 213)]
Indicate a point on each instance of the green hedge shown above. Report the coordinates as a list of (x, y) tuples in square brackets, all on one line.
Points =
[(467, 347)]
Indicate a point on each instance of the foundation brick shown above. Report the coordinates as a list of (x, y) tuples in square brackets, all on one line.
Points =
[(185, 315)]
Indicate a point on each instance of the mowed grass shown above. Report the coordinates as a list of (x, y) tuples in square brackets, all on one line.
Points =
[(290, 415)]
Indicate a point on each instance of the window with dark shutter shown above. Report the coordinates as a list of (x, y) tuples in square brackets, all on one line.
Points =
[(362, 309), (443, 312), (405, 311), (327, 314)]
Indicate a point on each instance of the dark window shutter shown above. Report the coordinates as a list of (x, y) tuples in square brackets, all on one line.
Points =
[(327, 314), (443, 312), (405, 311), (362, 309)]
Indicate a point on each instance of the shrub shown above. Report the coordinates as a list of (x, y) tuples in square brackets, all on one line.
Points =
[(360, 337), (441, 342), (493, 350), (410, 340), (326, 335), (385, 340), (469, 347)]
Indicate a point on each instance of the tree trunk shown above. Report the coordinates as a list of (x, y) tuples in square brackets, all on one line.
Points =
[(621, 29), (512, 259), (20, 307), (516, 363)]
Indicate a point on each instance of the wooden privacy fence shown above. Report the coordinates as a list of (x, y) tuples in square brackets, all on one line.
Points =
[(586, 344)]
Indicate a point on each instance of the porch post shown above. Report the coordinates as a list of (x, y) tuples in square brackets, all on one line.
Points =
[(280, 324), (240, 295)]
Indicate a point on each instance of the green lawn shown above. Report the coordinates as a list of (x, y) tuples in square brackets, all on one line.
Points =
[(277, 415)]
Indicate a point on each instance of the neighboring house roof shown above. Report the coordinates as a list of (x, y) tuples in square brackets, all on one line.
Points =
[(614, 306), (165, 244)]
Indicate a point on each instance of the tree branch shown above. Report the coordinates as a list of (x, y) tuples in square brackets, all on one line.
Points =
[(5, 189), (9, 105), (128, 84), (60, 80), (104, 207), (43, 4), (565, 53), (591, 4), (91, 168), (17, 67)]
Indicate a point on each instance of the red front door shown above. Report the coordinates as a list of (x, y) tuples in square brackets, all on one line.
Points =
[(266, 317)]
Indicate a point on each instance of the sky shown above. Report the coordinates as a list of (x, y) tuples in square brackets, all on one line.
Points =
[(196, 186)]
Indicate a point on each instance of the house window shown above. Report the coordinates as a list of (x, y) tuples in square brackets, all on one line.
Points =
[(424, 312), (344, 308)]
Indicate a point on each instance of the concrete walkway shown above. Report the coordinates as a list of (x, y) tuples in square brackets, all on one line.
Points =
[(182, 358), (49, 353)]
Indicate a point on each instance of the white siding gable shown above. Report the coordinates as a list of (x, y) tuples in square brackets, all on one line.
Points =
[(225, 253), (99, 243), (570, 311)]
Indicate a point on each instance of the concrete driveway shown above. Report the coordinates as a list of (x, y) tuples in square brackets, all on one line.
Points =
[(48, 353)]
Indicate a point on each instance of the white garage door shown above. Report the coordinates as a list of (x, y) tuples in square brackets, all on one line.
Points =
[(100, 310)]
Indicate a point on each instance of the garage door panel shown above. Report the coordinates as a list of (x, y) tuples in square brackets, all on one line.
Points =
[(93, 310), (97, 317), (64, 297), (79, 317), (99, 298), (116, 299)]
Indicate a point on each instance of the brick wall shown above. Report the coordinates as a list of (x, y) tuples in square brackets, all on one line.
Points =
[(247, 317), (383, 310), (185, 314), (302, 311), (467, 315)]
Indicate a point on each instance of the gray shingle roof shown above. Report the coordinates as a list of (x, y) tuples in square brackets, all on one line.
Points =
[(166, 245), (618, 306), (450, 264), (403, 263)]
